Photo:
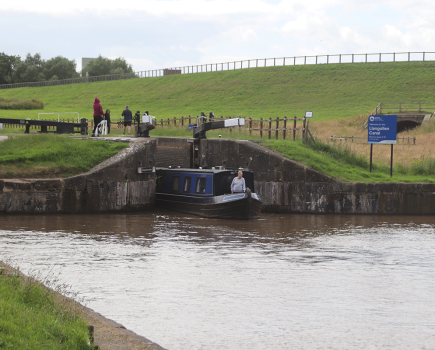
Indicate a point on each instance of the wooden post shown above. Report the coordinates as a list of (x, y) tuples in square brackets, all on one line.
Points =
[(189, 120), (250, 127), (175, 122), (261, 127), (294, 128), (270, 128), (276, 130), (303, 129), (182, 121), (169, 122), (285, 127)]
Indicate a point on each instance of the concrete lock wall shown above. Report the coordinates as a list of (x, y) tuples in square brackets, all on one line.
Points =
[(286, 186), (114, 185)]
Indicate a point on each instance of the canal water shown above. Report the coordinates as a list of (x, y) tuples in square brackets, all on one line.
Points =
[(279, 282)]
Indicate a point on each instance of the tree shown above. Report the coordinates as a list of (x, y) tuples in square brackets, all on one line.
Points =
[(29, 70), (34, 68), (105, 66), (60, 67), (7, 67)]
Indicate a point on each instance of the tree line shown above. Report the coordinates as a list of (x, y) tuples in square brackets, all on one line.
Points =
[(13, 69)]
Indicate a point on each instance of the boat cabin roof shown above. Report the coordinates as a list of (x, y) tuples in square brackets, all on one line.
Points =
[(199, 181)]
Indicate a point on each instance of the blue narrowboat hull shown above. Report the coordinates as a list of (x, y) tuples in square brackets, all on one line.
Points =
[(230, 206)]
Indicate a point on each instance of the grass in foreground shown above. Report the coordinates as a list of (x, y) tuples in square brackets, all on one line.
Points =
[(50, 155), (35, 317)]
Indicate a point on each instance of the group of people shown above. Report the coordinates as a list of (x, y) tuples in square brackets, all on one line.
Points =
[(99, 116)]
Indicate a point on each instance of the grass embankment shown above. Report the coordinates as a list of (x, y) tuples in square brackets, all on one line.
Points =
[(35, 317), (51, 155), (340, 95), (341, 163), (330, 91)]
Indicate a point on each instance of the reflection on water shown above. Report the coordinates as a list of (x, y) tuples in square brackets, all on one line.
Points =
[(280, 282)]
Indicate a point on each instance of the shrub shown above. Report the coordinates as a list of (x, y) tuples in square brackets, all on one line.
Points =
[(20, 104)]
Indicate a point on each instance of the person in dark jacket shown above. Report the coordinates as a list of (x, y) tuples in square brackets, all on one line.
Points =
[(98, 114), (128, 117), (107, 116)]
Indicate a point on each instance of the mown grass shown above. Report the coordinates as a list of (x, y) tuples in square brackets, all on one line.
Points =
[(51, 155), (35, 317), (330, 91), (340, 96)]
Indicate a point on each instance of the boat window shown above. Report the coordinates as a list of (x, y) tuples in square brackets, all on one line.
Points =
[(187, 181), (200, 185), (175, 182)]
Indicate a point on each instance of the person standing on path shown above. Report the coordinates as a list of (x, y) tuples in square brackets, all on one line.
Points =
[(238, 184), (107, 116), (98, 114), (128, 117)]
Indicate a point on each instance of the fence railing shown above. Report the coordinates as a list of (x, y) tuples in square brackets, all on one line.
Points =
[(278, 128), (404, 107), (270, 128), (245, 64), (408, 140)]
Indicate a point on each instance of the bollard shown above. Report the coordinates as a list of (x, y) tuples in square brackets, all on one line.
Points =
[(83, 126)]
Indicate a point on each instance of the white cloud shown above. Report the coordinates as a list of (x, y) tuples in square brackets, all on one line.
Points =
[(153, 7)]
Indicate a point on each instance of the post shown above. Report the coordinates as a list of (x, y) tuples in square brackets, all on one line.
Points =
[(391, 163), (189, 120), (250, 127), (175, 122), (261, 127), (270, 128), (182, 121), (169, 122), (294, 128), (371, 156), (285, 127), (303, 129), (276, 130)]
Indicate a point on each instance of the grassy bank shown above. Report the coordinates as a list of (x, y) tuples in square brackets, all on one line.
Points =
[(330, 91), (51, 155), (341, 163), (35, 317)]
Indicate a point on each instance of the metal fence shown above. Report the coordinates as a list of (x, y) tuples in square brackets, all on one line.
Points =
[(405, 107), (245, 64)]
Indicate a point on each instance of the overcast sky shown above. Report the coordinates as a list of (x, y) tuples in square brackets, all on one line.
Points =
[(153, 34)]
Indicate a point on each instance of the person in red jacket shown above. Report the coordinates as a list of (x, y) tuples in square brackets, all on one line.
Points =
[(98, 114)]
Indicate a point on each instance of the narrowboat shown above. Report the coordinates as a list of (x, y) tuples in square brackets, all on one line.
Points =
[(207, 193)]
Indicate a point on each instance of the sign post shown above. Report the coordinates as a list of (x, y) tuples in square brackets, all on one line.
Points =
[(382, 129)]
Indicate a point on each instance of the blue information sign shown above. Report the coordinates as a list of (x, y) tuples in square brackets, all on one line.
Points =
[(382, 129)]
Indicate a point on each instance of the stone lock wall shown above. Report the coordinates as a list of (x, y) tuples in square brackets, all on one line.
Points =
[(114, 185), (284, 185), (287, 186)]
